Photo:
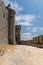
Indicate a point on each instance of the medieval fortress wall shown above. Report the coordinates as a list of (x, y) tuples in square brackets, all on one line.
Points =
[(3, 24)]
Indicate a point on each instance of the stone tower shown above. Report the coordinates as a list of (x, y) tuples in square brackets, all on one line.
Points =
[(11, 26), (7, 25), (17, 33)]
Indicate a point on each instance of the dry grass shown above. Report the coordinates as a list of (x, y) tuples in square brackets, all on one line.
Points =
[(6, 47)]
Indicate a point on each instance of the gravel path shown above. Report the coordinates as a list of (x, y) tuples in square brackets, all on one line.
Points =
[(21, 55)]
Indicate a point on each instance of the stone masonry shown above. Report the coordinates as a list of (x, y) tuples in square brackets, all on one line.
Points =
[(7, 26), (11, 26), (3, 24)]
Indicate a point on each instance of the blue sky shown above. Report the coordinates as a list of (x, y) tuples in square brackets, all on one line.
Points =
[(29, 14)]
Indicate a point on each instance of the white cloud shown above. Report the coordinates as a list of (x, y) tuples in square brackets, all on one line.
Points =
[(25, 20), (41, 28), (14, 5), (24, 23), (38, 28), (17, 7), (26, 36), (35, 29)]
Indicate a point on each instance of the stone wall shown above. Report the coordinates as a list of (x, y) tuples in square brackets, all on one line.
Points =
[(11, 26), (3, 24)]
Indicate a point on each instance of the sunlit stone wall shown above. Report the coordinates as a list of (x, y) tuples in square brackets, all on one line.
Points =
[(3, 24)]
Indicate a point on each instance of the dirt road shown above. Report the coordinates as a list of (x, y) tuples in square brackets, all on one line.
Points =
[(21, 55)]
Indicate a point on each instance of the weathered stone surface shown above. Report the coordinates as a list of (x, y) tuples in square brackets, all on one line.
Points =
[(3, 24), (7, 25), (20, 55)]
